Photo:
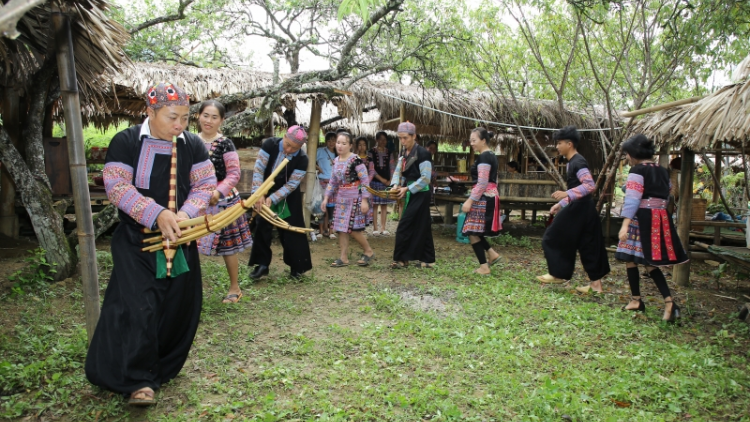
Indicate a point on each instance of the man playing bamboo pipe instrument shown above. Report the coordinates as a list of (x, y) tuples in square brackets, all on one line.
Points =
[(148, 319), (285, 199)]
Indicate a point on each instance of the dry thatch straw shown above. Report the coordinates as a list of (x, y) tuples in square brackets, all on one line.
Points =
[(723, 116), (97, 42)]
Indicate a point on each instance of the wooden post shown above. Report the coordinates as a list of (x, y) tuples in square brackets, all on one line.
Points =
[(11, 122), (717, 187), (312, 151), (663, 157), (681, 273), (76, 152)]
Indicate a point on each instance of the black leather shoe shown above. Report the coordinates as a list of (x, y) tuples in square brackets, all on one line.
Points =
[(259, 272), (295, 274)]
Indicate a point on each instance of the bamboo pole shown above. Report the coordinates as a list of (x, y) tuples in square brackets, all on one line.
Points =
[(717, 186), (717, 183), (11, 123), (681, 273), (661, 107), (74, 132), (312, 153)]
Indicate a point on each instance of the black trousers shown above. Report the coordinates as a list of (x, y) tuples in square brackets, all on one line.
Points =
[(414, 232), (296, 248), (576, 228), (147, 325)]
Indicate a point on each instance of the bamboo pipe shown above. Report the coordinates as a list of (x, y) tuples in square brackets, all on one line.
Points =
[(264, 187), (228, 215), (274, 219), (171, 250)]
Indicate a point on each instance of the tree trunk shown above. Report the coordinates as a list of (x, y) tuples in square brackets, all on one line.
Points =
[(33, 131), (103, 220), (36, 197)]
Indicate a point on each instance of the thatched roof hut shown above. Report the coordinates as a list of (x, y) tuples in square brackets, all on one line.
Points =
[(723, 116), (97, 42)]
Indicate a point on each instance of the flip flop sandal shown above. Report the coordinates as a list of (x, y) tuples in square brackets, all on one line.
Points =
[(339, 263), (426, 266), (549, 279), (395, 265), (149, 401), (232, 298), (496, 260), (365, 260)]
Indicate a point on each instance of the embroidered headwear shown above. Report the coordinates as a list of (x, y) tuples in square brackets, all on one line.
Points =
[(407, 127), (297, 135), (166, 94)]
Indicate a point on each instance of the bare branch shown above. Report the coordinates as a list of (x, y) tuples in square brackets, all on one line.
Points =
[(163, 19)]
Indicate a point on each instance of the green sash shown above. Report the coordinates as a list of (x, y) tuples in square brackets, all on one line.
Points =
[(179, 264), (408, 193), (281, 210)]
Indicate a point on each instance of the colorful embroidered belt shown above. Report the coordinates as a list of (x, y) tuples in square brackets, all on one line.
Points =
[(659, 227), (491, 190), (653, 203), (349, 185)]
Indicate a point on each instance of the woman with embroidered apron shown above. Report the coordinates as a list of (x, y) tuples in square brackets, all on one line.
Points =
[(383, 163), (348, 183), (236, 237), (482, 208), (648, 236), (412, 181)]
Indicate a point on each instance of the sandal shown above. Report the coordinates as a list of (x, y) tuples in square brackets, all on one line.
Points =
[(339, 263), (385, 233), (549, 279), (375, 233), (232, 298), (397, 265), (496, 260), (424, 265), (365, 260), (147, 401), (331, 236)]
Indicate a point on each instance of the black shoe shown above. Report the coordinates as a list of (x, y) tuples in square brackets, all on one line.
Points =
[(259, 272), (675, 314), (641, 307), (295, 274)]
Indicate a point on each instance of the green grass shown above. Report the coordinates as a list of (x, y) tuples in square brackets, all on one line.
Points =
[(345, 345)]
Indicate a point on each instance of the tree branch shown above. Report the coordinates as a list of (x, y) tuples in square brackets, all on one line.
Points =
[(163, 19)]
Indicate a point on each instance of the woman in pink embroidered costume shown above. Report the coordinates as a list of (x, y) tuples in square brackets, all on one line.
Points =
[(349, 180), (236, 237), (648, 236), (576, 227), (384, 162), (148, 320), (483, 206)]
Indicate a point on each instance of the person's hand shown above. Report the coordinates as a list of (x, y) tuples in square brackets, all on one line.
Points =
[(259, 204), (402, 192), (214, 198), (555, 209), (623, 235), (467, 206), (324, 203), (167, 223), (559, 195), (365, 207), (269, 202)]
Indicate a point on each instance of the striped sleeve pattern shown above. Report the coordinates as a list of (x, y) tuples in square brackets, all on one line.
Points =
[(260, 168), (364, 179), (633, 195), (232, 165), (425, 174), (202, 184), (121, 192), (477, 191), (586, 188), (289, 187)]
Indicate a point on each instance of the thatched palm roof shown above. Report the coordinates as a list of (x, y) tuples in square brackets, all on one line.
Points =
[(723, 116), (97, 42)]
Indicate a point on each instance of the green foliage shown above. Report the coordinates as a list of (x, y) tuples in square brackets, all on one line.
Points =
[(506, 239), (360, 7), (35, 276)]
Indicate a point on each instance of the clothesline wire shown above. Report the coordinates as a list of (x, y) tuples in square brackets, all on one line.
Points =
[(489, 122)]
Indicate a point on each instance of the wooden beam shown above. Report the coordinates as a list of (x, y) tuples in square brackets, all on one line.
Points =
[(12, 124), (312, 151), (342, 92), (526, 182), (681, 273), (660, 107), (717, 224)]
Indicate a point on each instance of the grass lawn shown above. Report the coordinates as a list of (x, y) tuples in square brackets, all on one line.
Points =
[(372, 344)]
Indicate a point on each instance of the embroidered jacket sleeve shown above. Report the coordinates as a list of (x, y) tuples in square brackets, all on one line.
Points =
[(118, 183), (633, 195), (586, 188), (396, 177), (292, 183), (425, 173), (370, 170), (202, 184), (484, 177), (232, 165), (333, 182), (260, 168), (364, 179)]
